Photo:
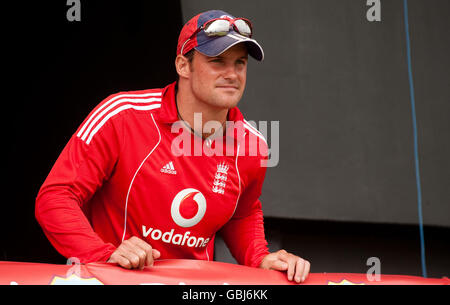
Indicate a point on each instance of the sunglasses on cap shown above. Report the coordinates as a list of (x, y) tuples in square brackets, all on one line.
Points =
[(222, 26)]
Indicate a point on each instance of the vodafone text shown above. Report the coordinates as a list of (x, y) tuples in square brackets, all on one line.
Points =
[(177, 239)]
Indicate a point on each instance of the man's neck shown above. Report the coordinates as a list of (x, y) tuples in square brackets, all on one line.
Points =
[(189, 110)]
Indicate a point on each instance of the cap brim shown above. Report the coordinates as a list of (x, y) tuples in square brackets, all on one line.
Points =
[(218, 45)]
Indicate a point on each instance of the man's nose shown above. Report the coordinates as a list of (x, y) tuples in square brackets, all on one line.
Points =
[(230, 72)]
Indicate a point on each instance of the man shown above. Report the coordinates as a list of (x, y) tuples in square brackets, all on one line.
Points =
[(127, 190)]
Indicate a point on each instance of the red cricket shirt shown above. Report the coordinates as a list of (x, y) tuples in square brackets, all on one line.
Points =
[(128, 171)]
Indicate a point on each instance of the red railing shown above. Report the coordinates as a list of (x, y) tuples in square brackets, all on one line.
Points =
[(179, 272)]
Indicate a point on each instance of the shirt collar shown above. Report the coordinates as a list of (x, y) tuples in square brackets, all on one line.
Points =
[(168, 111)]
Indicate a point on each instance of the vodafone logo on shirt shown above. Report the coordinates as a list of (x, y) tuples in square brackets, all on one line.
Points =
[(187, 210)]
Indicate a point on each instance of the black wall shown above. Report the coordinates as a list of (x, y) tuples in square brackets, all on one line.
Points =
[(338, 85), (59, 71)]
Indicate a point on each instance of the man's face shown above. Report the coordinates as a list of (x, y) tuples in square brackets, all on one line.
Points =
[(220, 81)]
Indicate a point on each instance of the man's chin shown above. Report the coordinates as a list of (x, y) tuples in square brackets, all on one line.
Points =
[(228, 103)]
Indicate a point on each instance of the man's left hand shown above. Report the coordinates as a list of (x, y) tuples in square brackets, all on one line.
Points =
[(297, 268)]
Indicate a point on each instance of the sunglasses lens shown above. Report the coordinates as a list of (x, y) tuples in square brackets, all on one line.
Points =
[(243, 27), (217, 28)]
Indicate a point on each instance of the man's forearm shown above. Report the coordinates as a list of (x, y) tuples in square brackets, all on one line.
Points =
[(67, 228), (246, 240)]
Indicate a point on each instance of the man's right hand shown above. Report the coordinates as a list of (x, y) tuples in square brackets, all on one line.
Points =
[(134, 253)]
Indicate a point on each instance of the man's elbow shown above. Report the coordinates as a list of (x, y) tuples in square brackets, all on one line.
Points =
[(45, 201), (39, 207)]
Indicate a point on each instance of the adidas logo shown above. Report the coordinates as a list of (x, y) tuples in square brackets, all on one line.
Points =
[(169, 169)]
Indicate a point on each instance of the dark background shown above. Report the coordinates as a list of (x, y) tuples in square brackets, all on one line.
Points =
[(338, 85), (344, 189)]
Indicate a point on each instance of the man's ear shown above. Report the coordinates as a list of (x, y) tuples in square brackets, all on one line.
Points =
[(183, 66)]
